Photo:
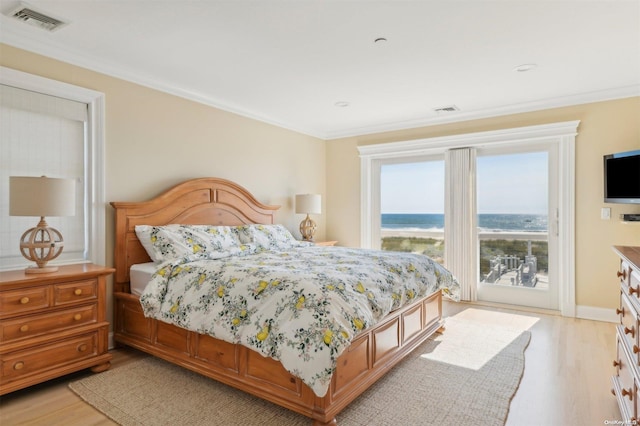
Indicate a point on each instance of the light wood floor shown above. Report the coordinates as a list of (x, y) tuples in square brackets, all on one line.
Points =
[(566, 379)]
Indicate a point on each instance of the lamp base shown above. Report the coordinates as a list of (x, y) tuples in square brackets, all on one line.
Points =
[(307, 229), (41, 244), (43, 270)]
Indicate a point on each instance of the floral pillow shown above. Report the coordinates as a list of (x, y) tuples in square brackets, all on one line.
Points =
[(144, 236), (192, 241), (270, 237)]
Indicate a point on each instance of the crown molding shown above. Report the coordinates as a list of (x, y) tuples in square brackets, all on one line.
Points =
[(22, 38), (559, 102), (540, 133)]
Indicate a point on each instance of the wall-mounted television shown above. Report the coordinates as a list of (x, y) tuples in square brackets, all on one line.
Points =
[(622, 177)]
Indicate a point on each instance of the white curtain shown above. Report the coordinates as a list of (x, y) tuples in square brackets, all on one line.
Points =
[(460, 227)]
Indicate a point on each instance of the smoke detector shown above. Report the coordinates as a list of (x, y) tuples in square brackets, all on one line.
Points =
[(447, 109), (38, 18)]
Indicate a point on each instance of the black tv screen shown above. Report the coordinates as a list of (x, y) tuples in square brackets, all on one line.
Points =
[(622, 177)]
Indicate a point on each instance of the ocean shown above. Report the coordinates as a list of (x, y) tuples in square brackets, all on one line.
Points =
[(486, 222)]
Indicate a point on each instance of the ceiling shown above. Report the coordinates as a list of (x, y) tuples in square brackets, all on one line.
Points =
[(292, 63)]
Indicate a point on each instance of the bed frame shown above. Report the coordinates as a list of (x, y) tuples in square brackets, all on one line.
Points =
[(220, 202)]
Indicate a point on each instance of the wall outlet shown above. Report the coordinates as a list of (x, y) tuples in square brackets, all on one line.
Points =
[(605, 213)]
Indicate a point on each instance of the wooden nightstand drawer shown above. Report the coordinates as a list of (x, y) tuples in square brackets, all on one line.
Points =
[(31, 326), (17, 302), (36, 360), (75, 292)]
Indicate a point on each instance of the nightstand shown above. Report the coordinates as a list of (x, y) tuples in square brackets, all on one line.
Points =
[(52, 324), (325, 243)]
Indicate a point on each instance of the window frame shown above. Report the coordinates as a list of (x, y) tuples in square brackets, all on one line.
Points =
[(562, 134), (95, 251)]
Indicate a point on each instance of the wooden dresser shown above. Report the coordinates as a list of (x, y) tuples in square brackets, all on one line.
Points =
[(626, 382), (52, 324)]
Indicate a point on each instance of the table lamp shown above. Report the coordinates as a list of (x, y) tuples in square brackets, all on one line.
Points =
[(41, 196), (308, 204)]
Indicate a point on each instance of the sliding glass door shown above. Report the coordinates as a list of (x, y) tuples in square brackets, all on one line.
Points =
[(517, 226), (509, 197), (515, 216)]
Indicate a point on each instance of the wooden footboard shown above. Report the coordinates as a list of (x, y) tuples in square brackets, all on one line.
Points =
[(372, 353)]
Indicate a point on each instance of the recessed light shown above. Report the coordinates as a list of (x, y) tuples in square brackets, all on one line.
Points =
[(525, 67), (380, 40), (342, 104)]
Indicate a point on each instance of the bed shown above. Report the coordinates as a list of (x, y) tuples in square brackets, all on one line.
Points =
[(370, 353)]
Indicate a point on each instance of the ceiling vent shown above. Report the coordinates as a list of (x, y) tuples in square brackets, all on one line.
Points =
[(29, 15), (447, 109)]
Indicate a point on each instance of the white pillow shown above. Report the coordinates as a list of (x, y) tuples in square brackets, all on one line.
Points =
[(144, 236), (271, 237), (193, 241)]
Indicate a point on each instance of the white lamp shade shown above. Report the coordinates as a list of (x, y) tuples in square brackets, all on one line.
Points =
[(308, 204), (41, 196)]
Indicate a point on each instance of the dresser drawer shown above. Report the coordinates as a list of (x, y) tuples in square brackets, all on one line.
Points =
[(75, 292), (17, 302), (629, 280), (629, 326), (625, 387), (623, 273), (634, 279), (40, 359), (36, 325)]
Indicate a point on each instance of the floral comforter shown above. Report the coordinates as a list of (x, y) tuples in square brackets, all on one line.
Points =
[(301, 306)]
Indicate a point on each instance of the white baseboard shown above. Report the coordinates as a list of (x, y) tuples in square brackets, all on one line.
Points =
[(597, 314), (583, 312)]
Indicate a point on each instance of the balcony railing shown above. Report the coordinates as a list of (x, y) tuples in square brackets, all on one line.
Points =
[(506, 258)]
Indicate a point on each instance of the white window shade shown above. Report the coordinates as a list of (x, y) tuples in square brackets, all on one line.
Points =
[(25, 100), (42, 135)]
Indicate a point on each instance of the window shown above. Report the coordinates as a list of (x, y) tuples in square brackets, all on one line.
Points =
[(412, 207), (460, 187), (53, 129)]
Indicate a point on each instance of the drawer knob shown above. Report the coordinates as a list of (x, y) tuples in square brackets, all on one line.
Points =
[(616, 363), (24, 300), (82, 348), (77, 317), (630, 331), (620, 311), (627, 392), (633, 290), (18, 365), (613, 391), (24, 328), (622, 274), (77, 291), (636, 349)]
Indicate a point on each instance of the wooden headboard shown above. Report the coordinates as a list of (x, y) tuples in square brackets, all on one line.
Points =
[(204, 201)]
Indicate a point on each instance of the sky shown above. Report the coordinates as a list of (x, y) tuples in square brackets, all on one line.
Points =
[(513, 183)]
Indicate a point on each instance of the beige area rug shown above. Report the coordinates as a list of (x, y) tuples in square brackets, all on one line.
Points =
[(466, 376)]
